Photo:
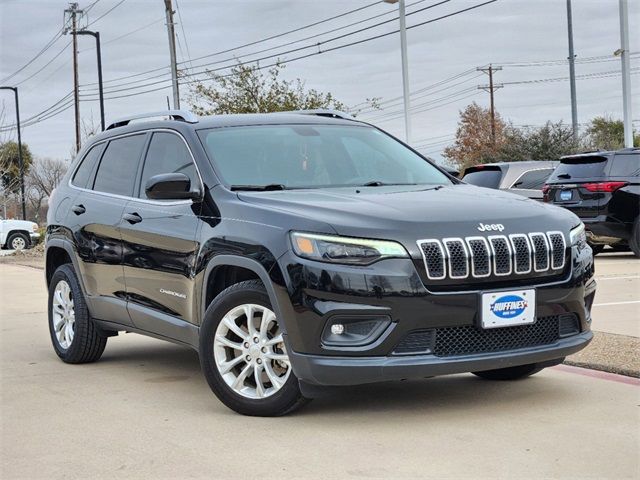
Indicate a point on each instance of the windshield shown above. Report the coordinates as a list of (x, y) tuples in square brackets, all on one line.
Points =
[(579, 167), (313, 156)]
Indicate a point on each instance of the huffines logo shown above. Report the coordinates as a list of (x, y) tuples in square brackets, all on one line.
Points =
[(509, 306), (486, 227)]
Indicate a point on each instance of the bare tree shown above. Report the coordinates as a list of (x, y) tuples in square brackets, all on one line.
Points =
[(44, 176)]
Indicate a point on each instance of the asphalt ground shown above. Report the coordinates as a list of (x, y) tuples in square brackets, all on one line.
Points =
[(145, 411)]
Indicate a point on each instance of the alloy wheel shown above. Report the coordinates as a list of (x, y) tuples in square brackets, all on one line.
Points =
[(249, 351), (64, 316), (18, 243)]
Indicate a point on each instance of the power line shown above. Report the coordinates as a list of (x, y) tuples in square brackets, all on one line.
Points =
[(106, 13)]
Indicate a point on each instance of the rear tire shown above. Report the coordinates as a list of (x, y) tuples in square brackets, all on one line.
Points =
[(597, 249), (74, 336), (634, 241), (510, 373), (247, 366)]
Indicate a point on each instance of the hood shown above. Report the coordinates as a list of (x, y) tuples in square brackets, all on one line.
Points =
[(410, 213), (21, 224)]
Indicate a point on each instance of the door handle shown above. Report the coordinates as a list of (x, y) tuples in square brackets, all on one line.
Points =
[(78, 209), (132, 218)]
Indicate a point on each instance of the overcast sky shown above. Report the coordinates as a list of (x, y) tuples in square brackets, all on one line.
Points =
[(514, 34)]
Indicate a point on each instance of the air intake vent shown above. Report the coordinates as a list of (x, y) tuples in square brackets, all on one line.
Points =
[(420, 341)]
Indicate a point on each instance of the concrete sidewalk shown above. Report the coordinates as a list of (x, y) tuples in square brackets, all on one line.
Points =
[(145, 411)]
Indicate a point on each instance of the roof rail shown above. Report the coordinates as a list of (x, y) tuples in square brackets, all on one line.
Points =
[(323, 112), (181, 115)]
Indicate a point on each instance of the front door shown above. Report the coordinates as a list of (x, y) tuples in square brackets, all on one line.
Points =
[(159, 243)]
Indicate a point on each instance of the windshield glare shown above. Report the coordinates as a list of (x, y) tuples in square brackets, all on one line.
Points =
[(313, 156)]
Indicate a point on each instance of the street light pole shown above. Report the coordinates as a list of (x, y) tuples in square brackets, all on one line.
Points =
[(405, 67), (20, 159), (96, 35), (626, 75)]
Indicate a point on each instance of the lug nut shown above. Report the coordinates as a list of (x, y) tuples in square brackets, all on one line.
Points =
[(259, 361), (264, 349), (246, 344), (248, 358), (256, 339)]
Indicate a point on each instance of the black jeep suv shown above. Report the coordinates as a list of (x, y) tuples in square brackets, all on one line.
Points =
[(603, 189), (306, 249)]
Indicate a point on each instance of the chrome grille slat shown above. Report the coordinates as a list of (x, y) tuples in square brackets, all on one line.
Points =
[(493, 256)]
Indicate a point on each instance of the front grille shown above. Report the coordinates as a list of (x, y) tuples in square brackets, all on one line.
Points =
[(494, 256), (469, 339)]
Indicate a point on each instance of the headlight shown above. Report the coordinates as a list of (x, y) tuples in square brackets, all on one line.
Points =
[(35, 227), (578, 235), (352, 251)]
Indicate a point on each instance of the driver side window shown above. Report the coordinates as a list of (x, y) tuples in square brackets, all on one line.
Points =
[(167, 153)]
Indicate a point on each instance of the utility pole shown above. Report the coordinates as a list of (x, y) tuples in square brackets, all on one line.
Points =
[(626, 75), (20, 159), (491, 88), (572, 74), (172, 52), (73, 14), (96, 35), (405, 67)]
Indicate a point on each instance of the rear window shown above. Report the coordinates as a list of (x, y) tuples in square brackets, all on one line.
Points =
[(119, 165), (488, 177), (579, 168), (533, 179), (626, 165), (83, 174)]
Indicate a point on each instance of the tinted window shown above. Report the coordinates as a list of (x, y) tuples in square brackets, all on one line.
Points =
[(307, 156), (167, 154), (119, 165), (625, 165), (579, 167), (486, 177), (85, 169), (533, 179)]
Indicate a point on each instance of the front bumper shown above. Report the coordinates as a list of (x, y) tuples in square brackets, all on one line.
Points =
[(34, 236), (335, 371), (318, 293)]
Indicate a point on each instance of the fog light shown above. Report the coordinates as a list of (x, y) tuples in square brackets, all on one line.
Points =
[(337, 329), (354, 331)]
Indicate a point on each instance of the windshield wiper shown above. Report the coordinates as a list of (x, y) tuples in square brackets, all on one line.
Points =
[(378, 183), (258, 188)]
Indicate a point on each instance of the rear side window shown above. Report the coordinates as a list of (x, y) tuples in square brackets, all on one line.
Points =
[(119, 165), (533, 179), (579, 168), (483, 177), (625, 165), (84, 171), (167, 153)]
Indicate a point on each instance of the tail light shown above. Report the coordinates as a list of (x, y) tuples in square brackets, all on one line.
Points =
[(604, 187), (545, 192)]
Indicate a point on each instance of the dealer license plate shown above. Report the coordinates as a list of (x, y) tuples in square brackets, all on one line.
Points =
[(504, 309)]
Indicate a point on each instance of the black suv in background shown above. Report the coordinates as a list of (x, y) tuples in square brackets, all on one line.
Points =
[(301, 250), (603, 189)]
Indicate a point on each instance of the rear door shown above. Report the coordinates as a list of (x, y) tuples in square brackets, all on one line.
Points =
[(622, 204), (571, 184), (159, 242), (106, 179)]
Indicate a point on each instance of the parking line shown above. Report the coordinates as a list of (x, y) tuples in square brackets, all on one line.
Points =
[(617, 278), (598, 374), (615, 303)]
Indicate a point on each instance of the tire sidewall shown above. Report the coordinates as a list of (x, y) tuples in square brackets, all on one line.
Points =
[(249, 292), (66, 273)]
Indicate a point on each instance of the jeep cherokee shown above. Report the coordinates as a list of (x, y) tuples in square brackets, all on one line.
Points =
[(300, 250)]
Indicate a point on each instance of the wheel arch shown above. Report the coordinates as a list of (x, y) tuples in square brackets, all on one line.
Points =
[(58, 252), (13, 232), (248, 264)]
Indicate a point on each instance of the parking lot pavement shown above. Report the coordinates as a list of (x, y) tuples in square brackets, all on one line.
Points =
[(617, 303), (145, 411)]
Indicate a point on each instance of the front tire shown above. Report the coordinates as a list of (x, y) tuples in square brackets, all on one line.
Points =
[(510, 373), (18, 241), (243, 355), (74, 336)]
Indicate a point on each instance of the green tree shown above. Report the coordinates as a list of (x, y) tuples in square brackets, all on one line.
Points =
[(474, 143), (248, 89), (10, 165), (549, 142), (604, 133)]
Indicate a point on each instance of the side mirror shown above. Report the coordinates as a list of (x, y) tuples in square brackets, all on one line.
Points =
[(170, 186)]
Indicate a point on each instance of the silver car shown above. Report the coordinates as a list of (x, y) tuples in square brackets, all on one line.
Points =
[(524, 178)]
